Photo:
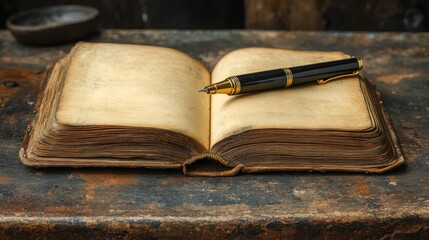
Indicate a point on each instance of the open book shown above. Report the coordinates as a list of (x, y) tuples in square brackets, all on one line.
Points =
[(139, 106)]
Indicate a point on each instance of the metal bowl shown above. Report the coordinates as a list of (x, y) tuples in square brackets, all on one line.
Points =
[(53, 25)]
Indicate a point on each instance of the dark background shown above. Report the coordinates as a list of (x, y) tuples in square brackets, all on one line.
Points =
[(350, 15)]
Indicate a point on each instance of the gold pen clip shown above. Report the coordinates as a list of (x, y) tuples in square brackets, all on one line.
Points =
[(323, 81), (360, 64)]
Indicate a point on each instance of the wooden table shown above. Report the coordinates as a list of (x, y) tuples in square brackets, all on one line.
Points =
[(165, 204)]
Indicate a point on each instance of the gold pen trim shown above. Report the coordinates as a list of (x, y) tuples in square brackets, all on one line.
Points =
[(360, 63), (323, 81), (235, 85), (360, 66), (289, 77)]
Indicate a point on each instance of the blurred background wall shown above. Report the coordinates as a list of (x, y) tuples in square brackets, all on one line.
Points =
[(350, 15)]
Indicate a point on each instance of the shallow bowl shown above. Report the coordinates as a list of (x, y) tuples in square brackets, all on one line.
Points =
[(51, 25)]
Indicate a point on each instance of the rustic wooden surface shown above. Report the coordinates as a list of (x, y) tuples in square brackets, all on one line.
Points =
[(152, 14), (58, 203), (364, 15)]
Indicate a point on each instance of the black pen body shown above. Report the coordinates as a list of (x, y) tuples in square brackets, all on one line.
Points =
[(261, 81), (324, 70), (286, 77)]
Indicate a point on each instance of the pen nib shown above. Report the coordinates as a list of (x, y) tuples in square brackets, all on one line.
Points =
[(205, 90)]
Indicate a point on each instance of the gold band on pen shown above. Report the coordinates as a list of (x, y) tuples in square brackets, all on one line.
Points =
[(235, 85), (289, 77), (360, 63)]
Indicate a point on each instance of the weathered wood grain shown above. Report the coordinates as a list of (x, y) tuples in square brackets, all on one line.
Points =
[(165, 204), (350, 15)]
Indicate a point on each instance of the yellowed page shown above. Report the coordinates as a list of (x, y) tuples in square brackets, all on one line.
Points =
[(337, 105), (140, 86)]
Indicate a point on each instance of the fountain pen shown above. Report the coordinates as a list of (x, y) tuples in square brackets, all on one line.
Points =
[(286, 77)]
